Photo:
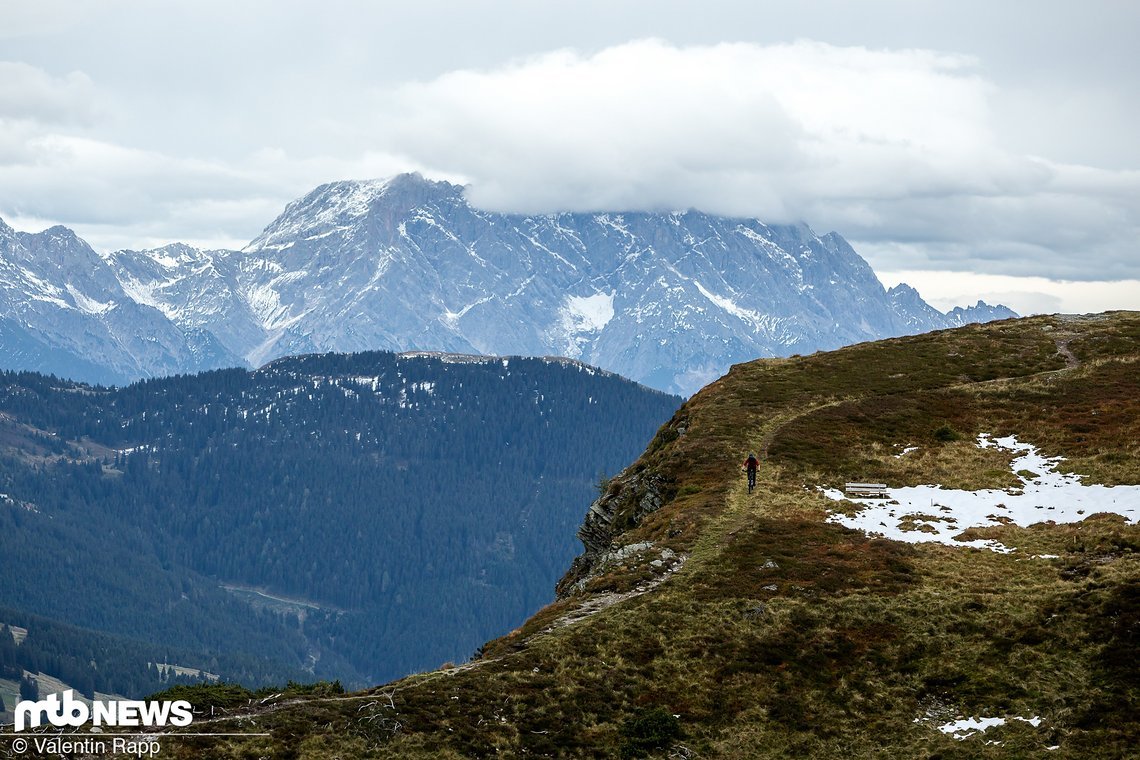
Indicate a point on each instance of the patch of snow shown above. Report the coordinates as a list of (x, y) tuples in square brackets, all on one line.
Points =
[(265, 302), (163, 259), (615, 222), (967, 727), (371, 382), (581, 316), (591, 312), (906, 451), (452, 317), (538, 244), (757, 238), (761, 323), (144, 292), (526, 284), (42, 290), (88, 304), (790, 263), (448, 358), (325, 234), (336, 207), (133, 449), (930, 513)]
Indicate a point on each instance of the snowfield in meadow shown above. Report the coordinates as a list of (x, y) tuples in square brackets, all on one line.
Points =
[(967, 727), (927, 513)]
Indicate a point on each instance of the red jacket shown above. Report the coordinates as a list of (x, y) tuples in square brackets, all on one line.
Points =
[(751, 463)]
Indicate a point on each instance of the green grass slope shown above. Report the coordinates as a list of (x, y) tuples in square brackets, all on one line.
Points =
[(707, 622)]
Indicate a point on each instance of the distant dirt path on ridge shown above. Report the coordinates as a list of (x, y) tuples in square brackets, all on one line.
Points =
[(1071, 361), (777, 423)]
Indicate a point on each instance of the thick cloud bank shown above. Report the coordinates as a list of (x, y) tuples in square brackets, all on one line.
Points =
[(888, 146), (923, 159), (734, 128)]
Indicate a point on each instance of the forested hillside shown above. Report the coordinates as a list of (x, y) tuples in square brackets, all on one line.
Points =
[(356, 516)]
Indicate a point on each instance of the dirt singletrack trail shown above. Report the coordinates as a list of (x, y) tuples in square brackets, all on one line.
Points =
[(1062, 343)]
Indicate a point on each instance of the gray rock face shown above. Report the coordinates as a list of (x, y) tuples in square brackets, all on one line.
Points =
[(922, 317), (669, 299), (979, 312), (65, 312), (629, 500), (197, 290)]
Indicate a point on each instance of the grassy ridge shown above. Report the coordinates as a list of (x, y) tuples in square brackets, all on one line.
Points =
[(783, 635)]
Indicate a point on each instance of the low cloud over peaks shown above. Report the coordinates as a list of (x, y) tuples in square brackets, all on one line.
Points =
[(730, 128), (865, 141), (925, 160)]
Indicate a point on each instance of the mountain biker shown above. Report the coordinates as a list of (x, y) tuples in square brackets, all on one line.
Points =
[(751, 464)]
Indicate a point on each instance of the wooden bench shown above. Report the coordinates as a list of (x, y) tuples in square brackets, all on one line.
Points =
[(866, 490)]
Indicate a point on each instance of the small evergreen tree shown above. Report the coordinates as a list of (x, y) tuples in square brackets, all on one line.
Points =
[(29, 689)]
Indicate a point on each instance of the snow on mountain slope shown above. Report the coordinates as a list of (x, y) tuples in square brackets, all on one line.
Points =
[(197, 290), (920, 514), (65, 311), (669, 299)]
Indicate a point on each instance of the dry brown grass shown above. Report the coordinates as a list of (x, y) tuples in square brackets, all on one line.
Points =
[(787, 636)]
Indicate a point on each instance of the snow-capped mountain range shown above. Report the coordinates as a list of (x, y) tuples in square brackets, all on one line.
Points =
[(668, 299)]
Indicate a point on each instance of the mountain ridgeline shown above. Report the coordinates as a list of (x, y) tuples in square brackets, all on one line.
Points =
[(706, 621), (335, 516), (668, 299)]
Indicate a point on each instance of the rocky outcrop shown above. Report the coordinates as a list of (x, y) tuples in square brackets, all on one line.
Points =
[(628, 500)]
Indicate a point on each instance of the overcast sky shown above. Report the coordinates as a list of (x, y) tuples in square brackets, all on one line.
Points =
[(973, 149)]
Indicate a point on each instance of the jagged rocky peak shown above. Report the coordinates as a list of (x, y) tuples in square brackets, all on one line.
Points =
[(171, 257), (179, 252), (7, 235), (59, 233), (668, 299), (414, 186), (979, 312), (342, 204), (802, 232), (57, 246), (903, 292), (7, 238)]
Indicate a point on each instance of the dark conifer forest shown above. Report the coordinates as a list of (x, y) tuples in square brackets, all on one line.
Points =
[(354, 517)]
